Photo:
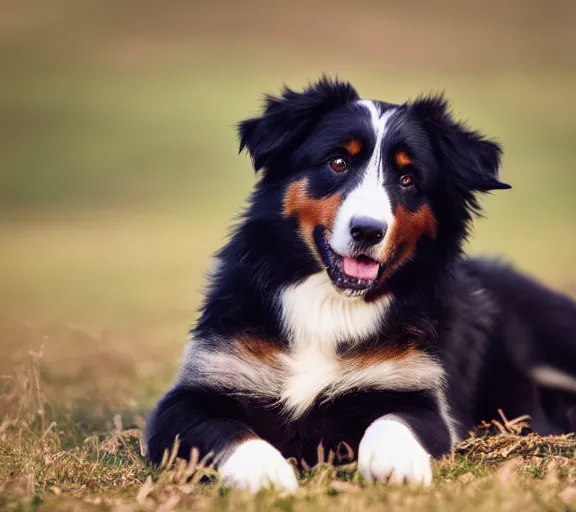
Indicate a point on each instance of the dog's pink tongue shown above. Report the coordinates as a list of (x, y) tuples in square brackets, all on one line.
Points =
[(367, 270)]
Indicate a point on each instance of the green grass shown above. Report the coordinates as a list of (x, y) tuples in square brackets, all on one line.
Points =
[(119, 175)]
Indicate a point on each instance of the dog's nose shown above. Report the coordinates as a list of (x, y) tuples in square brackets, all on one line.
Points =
[(367, 231)]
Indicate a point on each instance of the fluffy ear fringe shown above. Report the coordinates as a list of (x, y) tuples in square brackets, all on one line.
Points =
[(286, 119), (472, 160)]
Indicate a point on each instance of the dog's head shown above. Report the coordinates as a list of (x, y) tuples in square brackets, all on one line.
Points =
[(372, 187)]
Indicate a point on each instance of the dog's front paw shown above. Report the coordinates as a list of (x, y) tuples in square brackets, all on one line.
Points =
[(256, 464), (389, 452)]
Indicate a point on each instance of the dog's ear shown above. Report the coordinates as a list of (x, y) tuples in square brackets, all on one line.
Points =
[(472, 160), (289, 118)]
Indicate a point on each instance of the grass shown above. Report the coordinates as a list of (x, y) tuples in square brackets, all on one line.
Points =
[(118, 176), (50, 463)]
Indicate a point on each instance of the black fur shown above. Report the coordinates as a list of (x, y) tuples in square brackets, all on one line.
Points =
[(489, 325), (342, 421)]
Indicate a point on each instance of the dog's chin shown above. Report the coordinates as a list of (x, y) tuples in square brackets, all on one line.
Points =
[(346, 284)]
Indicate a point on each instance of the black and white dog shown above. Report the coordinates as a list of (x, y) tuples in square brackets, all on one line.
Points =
[(343, 310)]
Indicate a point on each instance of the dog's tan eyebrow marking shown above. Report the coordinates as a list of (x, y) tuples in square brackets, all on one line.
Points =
[(353, 146), (402, 159)]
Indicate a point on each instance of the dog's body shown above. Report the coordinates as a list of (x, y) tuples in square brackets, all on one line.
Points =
[(342, 309)]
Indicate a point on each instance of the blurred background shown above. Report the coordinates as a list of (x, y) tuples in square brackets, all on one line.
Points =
[(119, 171)]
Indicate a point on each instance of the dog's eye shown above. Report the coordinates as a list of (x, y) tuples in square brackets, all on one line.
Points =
[(406, 181), (402, 159), (338, 164)]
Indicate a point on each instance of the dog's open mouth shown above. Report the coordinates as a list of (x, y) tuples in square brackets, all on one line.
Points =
[(352, 275)]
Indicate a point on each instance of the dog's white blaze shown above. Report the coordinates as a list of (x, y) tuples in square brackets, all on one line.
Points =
[(553, 378), (369, 198)]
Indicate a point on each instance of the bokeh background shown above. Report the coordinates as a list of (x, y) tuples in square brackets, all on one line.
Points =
[(119, 170)]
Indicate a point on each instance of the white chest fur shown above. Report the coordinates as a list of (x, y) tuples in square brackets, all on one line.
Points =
[(311, 373), (315, 314), (316, 319)]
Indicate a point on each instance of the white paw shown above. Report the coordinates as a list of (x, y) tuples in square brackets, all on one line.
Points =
[(389, 452), (256, 464)]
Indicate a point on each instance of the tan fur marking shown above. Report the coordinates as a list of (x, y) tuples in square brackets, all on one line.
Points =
[(375, 355), (354, 146), (404, 234), (310, 212), (402, 159), (259, 349)]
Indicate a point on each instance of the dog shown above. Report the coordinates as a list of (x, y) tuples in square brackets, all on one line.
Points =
[(343, 311)]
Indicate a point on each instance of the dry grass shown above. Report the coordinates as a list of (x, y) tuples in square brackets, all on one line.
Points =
[(49, 463)]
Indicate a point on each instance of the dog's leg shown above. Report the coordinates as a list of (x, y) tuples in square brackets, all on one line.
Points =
[(205, 420), (397, 448)]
